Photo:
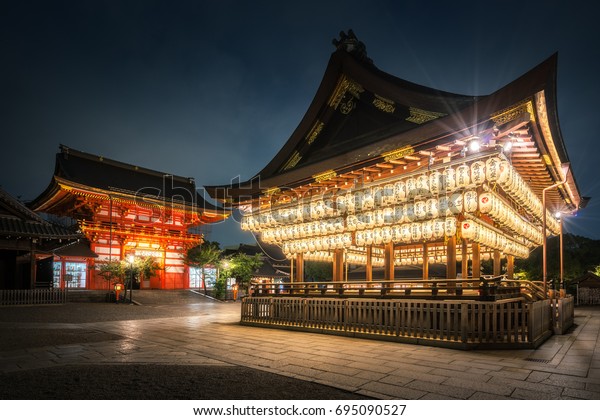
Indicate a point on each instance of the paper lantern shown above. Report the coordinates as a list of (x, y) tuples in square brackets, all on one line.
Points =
[(399, 214), (450, 226), (468, 229), (478, 173), (431, 208), (463, 176), (396, 234), (378, 217), (470, 201), (422, 184), (387, 195), (409, 212), (436, 182), (400, 191), (492, 168), (377, 196), (405, 233), (368, 199), (386, 234), (419, 207), (369, 219), (427, 230), (377, 236), (415, 231), (411, 187), (444, 206), (449, 178), (438, 228), (485, 202), (388, 215)]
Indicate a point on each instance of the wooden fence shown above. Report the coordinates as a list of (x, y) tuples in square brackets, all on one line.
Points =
[(512, 323), (32, 297), (563, 314)]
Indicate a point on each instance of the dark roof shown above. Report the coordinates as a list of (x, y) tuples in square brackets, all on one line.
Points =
[(270, 251), (107, 175), (382, 114), (80, 248), (588, 280), (16, 220)]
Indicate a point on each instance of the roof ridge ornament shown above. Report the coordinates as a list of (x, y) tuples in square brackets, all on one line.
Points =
[(350, 43)]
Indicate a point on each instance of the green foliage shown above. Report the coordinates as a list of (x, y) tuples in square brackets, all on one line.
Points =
[(112, 271), (242, 267), (580, 255), (318, 270), (220, 287)]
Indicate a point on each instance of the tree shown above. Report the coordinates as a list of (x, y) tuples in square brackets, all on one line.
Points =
[(146, 267), (318, 270), (207, 253), (243, 266), (112, 271)]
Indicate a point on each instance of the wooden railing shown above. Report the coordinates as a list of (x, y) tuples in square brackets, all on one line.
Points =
[(512, 323), (483, 289), (33, 296), (563, 314)]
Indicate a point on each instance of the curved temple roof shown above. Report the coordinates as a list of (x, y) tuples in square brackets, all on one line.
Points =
[(361, 114)]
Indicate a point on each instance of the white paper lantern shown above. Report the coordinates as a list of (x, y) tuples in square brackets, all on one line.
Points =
[(463, 177), (436, 182), (427, 229), (377, 236), (478, 172), (388, 195), (368, 199), (415, 231), (468, 229), (422, 184), (388, 215), (420, 210), (438, 228), (449, 177), (470, 201), (492, 168), (444, 206), (399, 214), (411, 187), (405, 233), (485, 202), (432, 208), (450, 226), (400, 191), (409, 212)]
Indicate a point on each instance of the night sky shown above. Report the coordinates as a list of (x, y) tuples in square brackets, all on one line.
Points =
[(213, 89)]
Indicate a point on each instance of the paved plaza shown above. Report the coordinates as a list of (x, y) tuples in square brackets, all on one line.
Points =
[(190, 336)]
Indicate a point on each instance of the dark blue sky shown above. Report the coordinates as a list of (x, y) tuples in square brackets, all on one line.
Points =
[(213, 89)]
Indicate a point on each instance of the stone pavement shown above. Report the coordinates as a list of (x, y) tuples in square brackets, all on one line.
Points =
[(564, 367)]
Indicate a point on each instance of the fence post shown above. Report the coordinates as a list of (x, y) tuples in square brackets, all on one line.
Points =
[(464, 322)]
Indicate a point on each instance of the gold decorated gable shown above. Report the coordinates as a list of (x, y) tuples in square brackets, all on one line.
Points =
[(384, 104), (272, 190), (344, 85), (324, 176), (513, 112), (292, 161), (420, 116), (314, 132), (398, 153)]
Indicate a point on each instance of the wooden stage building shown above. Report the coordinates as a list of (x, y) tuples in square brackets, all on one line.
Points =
[(382, 172)]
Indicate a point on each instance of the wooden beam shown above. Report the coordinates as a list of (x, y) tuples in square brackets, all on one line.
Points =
[(425, 262), (476, 260), (510, 267), (299, 267), (369, 269), (497, 265), (338, 265), (388, 256), (451, 258)]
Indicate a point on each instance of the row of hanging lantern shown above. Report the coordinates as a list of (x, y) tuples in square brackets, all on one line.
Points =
[(500, 212), (484, 235), (382, 197), (323, 243)]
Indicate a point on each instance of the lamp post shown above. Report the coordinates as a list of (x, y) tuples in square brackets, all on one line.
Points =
[(130, 258), (565, 170)]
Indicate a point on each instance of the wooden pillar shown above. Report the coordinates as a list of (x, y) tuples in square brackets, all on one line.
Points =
[(464, 264), (497, 263), (338, 265), (476, 260), (299, 267), (510, 266), (388, 257), (425, 261), (451, 258), (369, 269)]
